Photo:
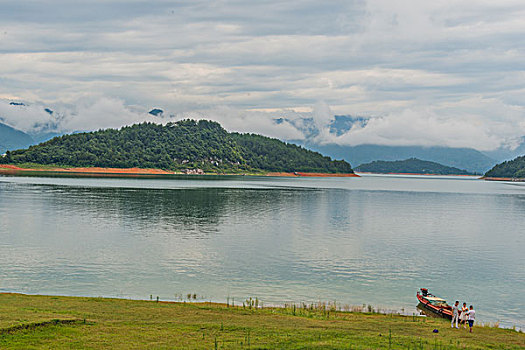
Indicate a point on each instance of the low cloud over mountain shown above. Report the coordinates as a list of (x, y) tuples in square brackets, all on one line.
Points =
[(411, 127)]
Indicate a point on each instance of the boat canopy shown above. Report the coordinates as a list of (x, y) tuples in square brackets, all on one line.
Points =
[(429, 298), (436, 301)]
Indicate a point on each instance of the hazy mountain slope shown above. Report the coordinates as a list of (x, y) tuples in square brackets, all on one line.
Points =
[(462, 158), (503, 154), (11, 138), (40, 137)]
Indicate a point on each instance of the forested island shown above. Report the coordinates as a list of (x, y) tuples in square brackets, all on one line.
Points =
[(410, 166), (178, 146), (514, 169)]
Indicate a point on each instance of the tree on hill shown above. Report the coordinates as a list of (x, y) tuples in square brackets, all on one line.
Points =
[(513, 168), (275, 155), (186, 144)]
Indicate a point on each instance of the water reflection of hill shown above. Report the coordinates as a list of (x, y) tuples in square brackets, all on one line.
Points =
[(190, 212)]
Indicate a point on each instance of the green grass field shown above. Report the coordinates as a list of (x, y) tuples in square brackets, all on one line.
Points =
[(48, 322)]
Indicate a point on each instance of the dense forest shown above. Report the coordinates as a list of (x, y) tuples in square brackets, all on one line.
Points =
[(512, 168), (410, 166), (186, 144)]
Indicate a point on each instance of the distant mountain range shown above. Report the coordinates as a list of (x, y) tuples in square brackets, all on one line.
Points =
[(502, 154), (11, 138), (410, 166), (461, 158)]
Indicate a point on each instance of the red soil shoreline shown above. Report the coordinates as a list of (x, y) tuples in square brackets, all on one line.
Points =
[(97, 171), (479, 177), (511, 179)]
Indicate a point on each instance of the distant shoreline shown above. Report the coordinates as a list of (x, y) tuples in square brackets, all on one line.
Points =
[(479, 177), (418, 174), (8, 169), (302, 174), (511, 179)]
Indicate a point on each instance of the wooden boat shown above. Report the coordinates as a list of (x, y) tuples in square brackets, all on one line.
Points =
[(437, 306)]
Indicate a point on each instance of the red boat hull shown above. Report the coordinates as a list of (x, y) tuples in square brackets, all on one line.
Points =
[(438, 311)]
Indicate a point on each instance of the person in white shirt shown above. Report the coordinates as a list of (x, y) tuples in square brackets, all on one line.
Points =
[(463, 315), (471, 317), (455, 314)]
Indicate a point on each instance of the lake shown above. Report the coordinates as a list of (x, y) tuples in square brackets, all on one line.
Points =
[(370, 240)]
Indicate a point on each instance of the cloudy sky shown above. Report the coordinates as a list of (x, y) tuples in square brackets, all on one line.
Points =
[(425, 72)]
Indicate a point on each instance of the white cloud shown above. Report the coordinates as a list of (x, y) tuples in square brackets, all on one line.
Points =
[(462, 124), (24, 117), (100, 114), (90, 114), (243, 121), (454, 67)]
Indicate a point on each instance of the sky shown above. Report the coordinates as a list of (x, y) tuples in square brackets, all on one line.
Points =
[(424, 72)]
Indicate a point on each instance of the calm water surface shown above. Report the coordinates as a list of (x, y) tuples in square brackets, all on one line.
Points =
[(372, 240)]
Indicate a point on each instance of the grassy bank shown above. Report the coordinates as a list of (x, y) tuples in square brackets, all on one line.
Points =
[(28, 322)]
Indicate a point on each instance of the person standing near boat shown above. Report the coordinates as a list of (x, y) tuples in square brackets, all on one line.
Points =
[(471, 317), (463, 315), (455, 314)]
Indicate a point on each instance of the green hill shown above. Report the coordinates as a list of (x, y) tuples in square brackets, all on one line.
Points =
[(186, 144), (513, 168), (410, 166)]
